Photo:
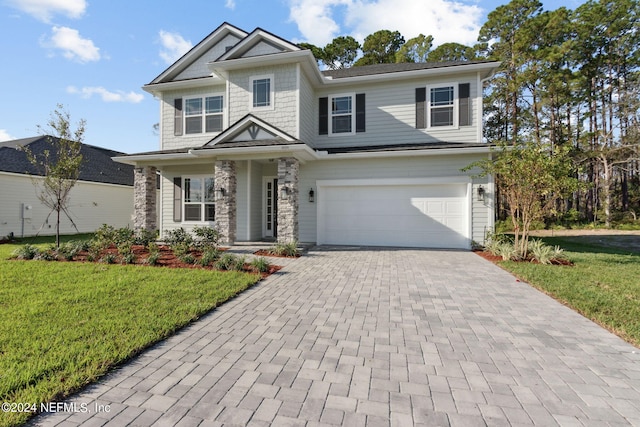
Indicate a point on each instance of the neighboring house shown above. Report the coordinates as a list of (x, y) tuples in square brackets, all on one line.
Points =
[(259, 142), (102, 194)]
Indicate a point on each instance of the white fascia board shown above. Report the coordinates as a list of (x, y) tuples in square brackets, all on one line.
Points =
[(401, 75), (157, 88), (152, 158), (323, 155), (204, 45), (299, 151), (221, 67)]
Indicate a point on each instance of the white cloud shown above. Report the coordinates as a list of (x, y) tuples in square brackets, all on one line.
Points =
[(230, 4), (173, 46), (73, 46), (315, 19), (106, 95), (44, 10), (4, 135), (445, 20)]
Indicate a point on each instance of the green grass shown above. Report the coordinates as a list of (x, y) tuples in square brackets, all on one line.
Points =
[(603, 285), (63, 325)]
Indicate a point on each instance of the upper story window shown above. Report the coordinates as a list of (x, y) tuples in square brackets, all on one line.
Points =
[(203, 114), (261, 92), (342, 114), (199, 199), (443, 106)]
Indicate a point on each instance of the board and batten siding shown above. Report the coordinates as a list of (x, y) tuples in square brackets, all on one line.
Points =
[(91, 204), (391, 115), (389, 168), (284, 114)]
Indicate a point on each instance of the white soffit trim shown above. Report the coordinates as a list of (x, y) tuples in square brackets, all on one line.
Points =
[(207, 43), (323, 155)]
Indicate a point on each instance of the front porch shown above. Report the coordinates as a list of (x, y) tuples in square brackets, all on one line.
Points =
[(244, 199)]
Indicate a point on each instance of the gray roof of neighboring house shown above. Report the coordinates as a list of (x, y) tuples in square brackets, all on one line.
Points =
[(367, 70), (97, 165)]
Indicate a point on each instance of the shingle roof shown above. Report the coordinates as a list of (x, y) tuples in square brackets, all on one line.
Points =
[(404, 147), (367, 70), (97, 165)]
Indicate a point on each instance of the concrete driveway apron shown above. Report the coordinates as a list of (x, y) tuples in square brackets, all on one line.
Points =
[(377, 337)]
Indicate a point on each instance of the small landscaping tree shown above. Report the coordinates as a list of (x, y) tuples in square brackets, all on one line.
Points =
[(532, 178), (60, 166)]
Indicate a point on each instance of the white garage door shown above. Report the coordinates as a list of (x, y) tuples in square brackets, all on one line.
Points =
[(430, 216)]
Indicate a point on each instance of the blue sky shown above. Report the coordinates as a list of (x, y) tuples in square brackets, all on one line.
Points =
[(94, 56)]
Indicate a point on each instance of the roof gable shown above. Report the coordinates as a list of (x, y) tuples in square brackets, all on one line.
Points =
[(259, 42), (193, 63), (250, 129)]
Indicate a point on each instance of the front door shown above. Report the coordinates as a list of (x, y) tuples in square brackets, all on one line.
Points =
[(270, 197)]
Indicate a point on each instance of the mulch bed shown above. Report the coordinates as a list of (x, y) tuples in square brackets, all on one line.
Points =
[(495, 258), (167, 259)]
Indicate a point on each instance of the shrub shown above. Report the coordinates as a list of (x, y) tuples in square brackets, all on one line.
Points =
[(239, 264), (180, 241), (206, 236), (506, 250), (540, 252), (47, 255), (209, 256), (285, 249), (108, 259), (70, 249), (154, 255), (261, 265), (226, 262), (145, 237), (178, 235), (187, 258), (25, 252), (129, 258)]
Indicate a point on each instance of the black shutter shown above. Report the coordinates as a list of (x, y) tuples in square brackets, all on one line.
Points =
[(360, 113), (177, 199), (323, 116), (421, 116), (177, 117), (464, 104)]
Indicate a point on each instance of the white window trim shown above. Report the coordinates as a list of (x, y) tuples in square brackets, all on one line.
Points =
[(353, 113), (204, 97), (455, 106), (183, 203), (272, 99)]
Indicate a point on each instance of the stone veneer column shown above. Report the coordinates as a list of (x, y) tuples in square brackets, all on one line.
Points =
[(288, 169), (225, 179), (144, 198)]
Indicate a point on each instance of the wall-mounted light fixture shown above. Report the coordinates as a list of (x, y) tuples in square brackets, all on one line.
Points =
[(284, 192), (220, 193), (481, 192), (312, 196)]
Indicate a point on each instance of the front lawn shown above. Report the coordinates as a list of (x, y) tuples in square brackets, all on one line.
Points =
[(64, 324), (603, 285)]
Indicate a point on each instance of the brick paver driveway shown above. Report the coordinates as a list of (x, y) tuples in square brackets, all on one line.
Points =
[(378, 337)]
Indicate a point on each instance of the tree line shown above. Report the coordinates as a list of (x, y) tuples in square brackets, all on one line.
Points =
[(569, 80)]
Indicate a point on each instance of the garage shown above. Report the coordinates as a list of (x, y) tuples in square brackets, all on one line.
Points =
[(394, 213)]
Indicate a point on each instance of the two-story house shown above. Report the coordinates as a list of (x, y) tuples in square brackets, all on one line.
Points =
[(258, 141)]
